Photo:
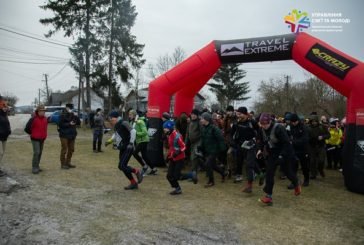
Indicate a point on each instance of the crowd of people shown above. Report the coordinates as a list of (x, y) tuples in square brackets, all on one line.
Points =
[(205, 141)]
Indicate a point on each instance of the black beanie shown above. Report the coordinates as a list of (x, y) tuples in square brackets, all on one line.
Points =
[(195, 112), (243, 110)]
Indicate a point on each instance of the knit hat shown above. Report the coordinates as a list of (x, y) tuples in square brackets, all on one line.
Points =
[(69, 106), (243, 110), (114, 114), (206, 116), (195, 112), (230, 108), (265, 118), (288, 116), (166, 115), (168, 125), (40, 108), (133, 112), (314, 117), (294, 117)]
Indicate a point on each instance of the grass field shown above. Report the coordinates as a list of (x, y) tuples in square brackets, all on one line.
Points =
[(88, 205)]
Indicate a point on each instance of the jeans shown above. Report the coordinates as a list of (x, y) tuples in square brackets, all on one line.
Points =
[(37, 152), (2, 150), (97, 139)]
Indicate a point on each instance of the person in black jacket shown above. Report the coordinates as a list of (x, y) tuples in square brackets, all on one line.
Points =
[(244, 132), (317, 133), (124, 138), (5, 130), (67, 133), (277, 146), (299, 136)]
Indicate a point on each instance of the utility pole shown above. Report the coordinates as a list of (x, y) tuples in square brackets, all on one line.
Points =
[(287, 92), (38, 96), (110, 55), (79, 86), (46, 84)]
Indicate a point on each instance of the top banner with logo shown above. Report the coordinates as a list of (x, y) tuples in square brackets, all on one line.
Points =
[(330, 60), (256, 49)]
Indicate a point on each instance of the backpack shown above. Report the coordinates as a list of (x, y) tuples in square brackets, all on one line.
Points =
[(272, 138), (28, 126)]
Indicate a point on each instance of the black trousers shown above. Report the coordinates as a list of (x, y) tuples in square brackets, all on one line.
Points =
[(174, 172), (211, 166), (273, 161), (142, 148), (304, 161), (124, 157), (251, 163), (333, 153)]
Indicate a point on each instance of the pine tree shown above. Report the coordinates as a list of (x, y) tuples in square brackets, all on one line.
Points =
[(228, 87), (102, 29)]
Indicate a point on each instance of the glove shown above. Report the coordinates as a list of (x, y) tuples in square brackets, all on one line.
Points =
[(176, 153), (248, 144), (130, 146), (108, 142), (198, 153)]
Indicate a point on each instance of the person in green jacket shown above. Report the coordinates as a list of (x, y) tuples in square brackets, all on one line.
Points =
[(141, 141), (212, 143)]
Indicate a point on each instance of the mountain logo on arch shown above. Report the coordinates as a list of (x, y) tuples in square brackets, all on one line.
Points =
[(232, 49)]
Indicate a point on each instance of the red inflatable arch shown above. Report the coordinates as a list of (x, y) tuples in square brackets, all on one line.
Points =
[(342, 72)]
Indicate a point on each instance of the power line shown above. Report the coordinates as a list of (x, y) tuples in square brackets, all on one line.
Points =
[(33, 34), (35, 38), (19, 51), (65, 65), (34, 63)]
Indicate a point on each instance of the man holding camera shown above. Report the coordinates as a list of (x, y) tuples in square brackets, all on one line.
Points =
[(67, 133)]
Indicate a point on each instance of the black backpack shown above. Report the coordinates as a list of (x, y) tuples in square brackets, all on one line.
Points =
[(28, 126)]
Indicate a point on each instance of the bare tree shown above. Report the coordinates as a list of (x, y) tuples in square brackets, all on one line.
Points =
[(166, 62)]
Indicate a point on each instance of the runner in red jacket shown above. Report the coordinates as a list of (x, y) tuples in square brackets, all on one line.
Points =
[(175, 156)]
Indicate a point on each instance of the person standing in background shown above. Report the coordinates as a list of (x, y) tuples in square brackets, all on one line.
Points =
[(98, 130), (67, 134), (5, 130), (39, 126)]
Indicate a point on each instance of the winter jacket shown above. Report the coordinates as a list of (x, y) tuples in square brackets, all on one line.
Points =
[(299, 135), (39, 128), (194, 132), (212, 141), (228, 123), (315, 132), (122, 134), (66, 130), (141, 132), (5, 130), (276, 141), (336, 135), (242, 131), (98, 122), (176, 145)]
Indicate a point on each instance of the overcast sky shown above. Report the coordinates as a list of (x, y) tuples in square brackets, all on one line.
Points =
[(163, 25)]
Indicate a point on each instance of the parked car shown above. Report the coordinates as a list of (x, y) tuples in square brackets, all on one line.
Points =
[(55, 117)]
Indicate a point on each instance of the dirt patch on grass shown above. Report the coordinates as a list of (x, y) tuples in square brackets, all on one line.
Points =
[(88, 205)]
